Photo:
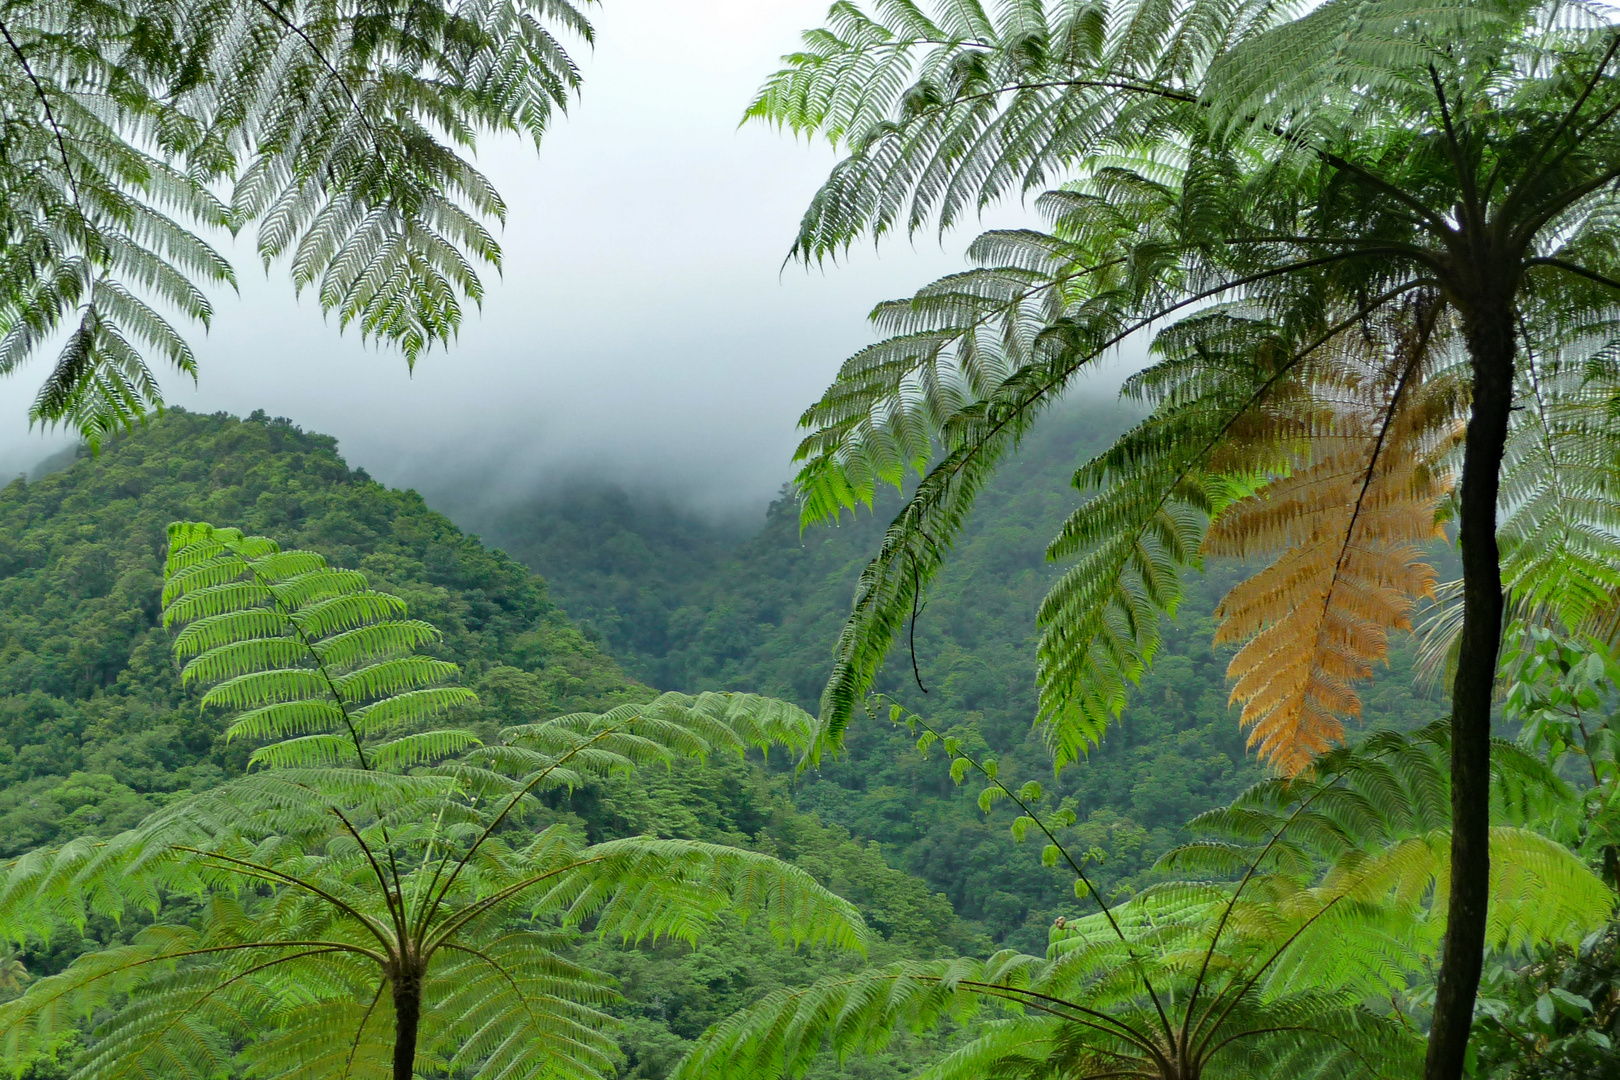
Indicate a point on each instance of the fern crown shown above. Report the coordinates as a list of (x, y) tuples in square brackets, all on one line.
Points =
[(1271, 198), (379, 896)]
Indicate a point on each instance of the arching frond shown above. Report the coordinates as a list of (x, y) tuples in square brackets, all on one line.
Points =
[(313, 660), (1313, 167), (1346, 526), (343, 134)]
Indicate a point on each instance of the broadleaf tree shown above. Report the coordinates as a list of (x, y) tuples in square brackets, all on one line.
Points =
[(340, 134), (375, 898), (1222, 169)]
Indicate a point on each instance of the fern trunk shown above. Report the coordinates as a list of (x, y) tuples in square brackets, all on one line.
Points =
[(1489, 332), (407, 1015)]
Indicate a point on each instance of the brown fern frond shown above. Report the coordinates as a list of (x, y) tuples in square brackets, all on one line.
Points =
[(1345, 527)]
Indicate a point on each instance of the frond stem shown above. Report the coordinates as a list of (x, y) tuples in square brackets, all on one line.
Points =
[(1045, 1003), (315, 50), (916, 595), (1454, 149), (396, 902), (510, 981), (1437, 224), (50, 116), (323, 947), (433, 905), (270, 873), (472, 911), (1556, 205), (1563, 125), (1079, 872), (1226, 915), (238, 977), (1573, 268), (360, 1029), (1261, 970)]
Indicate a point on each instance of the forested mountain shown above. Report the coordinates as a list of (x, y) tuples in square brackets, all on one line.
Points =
[(96, 730), (687, 606)]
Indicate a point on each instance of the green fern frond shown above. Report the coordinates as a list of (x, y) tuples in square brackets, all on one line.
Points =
[(310, 653), (343, 136)]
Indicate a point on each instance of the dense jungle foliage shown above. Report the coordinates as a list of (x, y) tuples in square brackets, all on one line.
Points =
[(1374, 248), (99, 731), (685, 605), (96, 730)]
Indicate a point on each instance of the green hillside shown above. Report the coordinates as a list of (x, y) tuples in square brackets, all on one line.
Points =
[(688, 606), (95, 730)]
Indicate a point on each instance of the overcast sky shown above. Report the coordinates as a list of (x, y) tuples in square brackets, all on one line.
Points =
[(644, 330)]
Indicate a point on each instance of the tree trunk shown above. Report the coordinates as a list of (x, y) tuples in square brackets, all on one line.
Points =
[(407, 1014), (1490, 340)]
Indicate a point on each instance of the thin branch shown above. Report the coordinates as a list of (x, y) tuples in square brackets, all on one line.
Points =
[(277, 875), (360, 1029), (467, 914), (1573, 268)]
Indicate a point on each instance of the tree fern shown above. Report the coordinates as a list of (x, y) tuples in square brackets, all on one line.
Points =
[(1321, 167), (341, 133), (367, 899), (1282, 943)]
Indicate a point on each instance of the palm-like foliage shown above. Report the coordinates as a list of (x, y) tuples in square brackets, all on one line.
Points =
[(14, 973), (364, 903), (339, 131), (1310, 899), (1448, 168)]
